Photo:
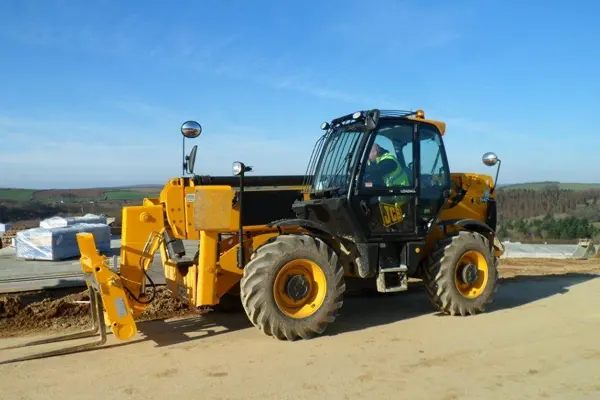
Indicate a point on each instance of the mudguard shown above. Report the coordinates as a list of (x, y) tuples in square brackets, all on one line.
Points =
[(304, 223), (480, 227)]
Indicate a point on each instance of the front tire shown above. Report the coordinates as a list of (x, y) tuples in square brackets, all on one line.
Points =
[(293, 287), (462, 274)]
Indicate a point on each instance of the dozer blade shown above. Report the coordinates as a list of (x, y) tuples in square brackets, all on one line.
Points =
[(98, 327)]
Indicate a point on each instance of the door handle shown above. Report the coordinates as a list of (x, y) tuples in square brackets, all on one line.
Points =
[(365, 209)]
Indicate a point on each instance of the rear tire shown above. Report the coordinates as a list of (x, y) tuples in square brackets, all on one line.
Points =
[(451, 286), (267, 287)]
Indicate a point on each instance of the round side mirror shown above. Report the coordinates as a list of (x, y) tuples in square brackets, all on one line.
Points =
[(490, 159), (191, 129)]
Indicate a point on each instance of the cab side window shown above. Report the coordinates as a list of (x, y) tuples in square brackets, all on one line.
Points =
[(389, 158), (432, 174)]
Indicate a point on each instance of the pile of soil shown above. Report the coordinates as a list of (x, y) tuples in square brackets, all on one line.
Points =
[(58, 310)]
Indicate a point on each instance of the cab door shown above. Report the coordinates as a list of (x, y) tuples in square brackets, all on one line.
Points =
[(387, 211)]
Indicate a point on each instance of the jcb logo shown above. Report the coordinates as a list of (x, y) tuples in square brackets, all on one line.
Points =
[(391, 214), (485, 197)]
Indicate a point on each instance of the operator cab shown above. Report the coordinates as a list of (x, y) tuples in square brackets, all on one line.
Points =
[(378, 176)]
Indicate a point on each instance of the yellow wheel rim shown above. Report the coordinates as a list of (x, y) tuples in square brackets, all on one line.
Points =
[(471, 274), (300, 288)]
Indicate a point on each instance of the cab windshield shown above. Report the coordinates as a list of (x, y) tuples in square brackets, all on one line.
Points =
[(339, 151), (392, 145)]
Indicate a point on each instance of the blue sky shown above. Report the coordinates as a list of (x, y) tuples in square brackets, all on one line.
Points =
[(94, 92)]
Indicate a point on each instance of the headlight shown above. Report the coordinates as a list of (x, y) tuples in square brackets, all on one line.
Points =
[(237, 168), (357, 115)]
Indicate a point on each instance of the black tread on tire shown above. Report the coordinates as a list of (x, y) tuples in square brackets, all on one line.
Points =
[(439, 274), (260, 273)]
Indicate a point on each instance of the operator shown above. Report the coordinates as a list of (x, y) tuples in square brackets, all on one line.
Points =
[(385, 167)]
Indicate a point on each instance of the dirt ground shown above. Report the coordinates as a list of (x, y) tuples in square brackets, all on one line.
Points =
[(510, 267), (59, 311), (64, 310), (538, 340)]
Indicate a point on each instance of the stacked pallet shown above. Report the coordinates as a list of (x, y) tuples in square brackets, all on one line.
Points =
[(55, 238)]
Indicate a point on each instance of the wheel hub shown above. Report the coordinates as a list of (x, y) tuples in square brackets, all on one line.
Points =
[(297, 287), (469, 274)]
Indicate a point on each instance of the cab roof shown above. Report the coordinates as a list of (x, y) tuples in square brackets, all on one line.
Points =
[(418, 115)]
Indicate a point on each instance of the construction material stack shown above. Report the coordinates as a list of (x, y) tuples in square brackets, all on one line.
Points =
[(56, 237)]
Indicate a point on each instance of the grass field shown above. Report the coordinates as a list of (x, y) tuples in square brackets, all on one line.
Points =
[(76, 195), (16, 194), (132, 195)]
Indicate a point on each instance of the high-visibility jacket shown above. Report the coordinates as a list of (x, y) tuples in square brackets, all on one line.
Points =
[(395, 178)]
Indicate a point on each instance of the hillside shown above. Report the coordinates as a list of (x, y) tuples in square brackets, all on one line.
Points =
[(519, 206), (549, 211), (519, 203), (27, 206), (544, 185), (87, 195)]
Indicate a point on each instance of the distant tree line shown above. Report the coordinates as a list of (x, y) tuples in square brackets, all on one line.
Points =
[(549, 227), (11, 211), (518, 204), (15, 211)]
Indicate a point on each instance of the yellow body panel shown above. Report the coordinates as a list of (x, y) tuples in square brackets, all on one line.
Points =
[(192, 233), (439, 124), (139, 222), (207, 268), (173, 197), (472, 205), (212, 209), (227, 272)]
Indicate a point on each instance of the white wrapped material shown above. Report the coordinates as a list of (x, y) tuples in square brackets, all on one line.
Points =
[(5, 227), (53, 222), (61, 222), (58, 243)]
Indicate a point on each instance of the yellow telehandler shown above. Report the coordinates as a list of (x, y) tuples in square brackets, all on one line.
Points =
[(377, 202)]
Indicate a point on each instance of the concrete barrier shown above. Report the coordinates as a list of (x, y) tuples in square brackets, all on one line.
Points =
[(585, 249), (520, 250)]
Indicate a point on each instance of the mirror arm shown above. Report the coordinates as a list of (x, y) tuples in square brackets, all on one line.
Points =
[(184, 157), (496, 179)]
